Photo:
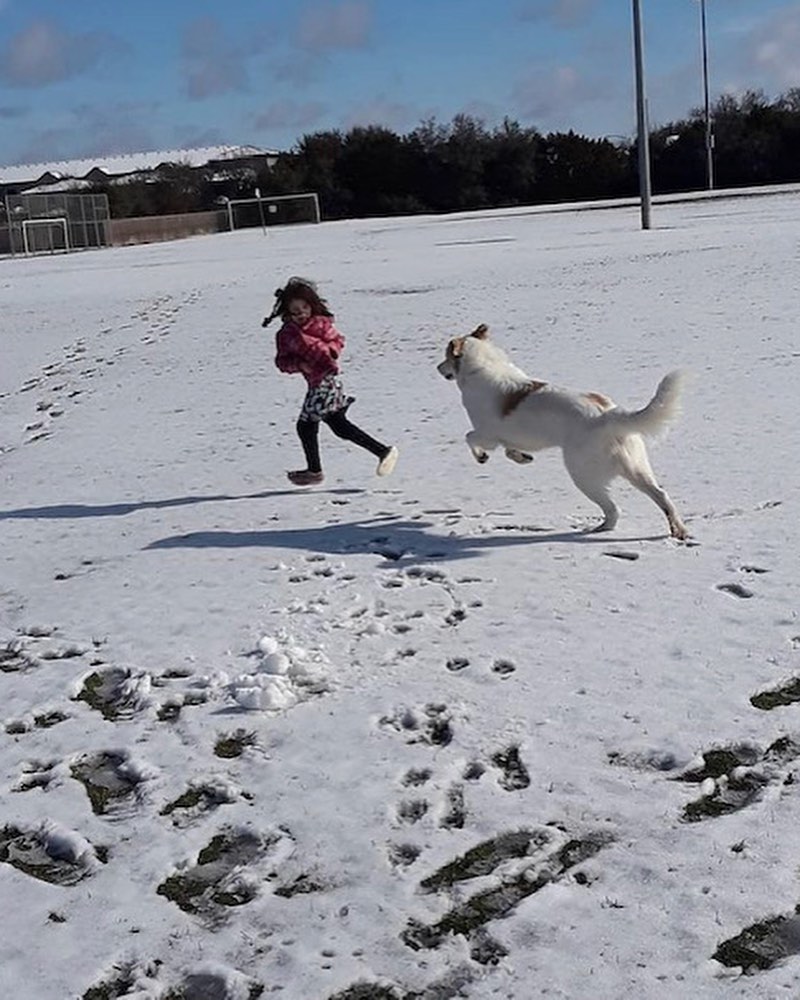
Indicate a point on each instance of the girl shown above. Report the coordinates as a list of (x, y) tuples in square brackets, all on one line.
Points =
[(310, 344)]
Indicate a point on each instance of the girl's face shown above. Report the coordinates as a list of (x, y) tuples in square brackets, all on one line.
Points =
[(299, 311)]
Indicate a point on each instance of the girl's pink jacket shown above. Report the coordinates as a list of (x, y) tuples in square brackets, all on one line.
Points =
[(312, 349)]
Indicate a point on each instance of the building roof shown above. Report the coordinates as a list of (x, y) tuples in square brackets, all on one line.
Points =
[(129, 162)]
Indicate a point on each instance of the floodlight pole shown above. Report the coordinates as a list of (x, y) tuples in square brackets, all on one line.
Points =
[(261, 212), (707, 105), (641, 116), (10, 228)]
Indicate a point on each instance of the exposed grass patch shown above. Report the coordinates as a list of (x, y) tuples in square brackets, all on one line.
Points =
[(739, 773), (48, 719), (104, 778), (403, 855), (195, 800), (168, 711), (787, 694), (761, 946), (300, 886), (370, 991), (28, 853), (218, 880), (728, 796), (13, 658), (456, 813), (485, 857), (120, 984), (234, 744), (474, 913), (106, 692), (722, 761), (515, 774)]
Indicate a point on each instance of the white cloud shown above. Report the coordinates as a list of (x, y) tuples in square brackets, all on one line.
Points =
[(563, 13), (326, 27), (290, 114), (390, 114), (775, 48), (213, 65), (551, 97), (43, 53)]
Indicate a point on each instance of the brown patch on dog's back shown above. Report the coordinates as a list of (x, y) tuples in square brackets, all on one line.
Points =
[(599, 400), (511, 400)]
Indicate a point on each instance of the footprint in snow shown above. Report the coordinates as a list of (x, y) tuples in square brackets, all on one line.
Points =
[(734, 777)]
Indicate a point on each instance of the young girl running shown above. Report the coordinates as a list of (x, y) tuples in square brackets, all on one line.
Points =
[(310, 344)]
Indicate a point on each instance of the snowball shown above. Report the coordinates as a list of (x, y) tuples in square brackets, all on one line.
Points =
[(248, 697), (271, 693), (276, 663), (268, 645)]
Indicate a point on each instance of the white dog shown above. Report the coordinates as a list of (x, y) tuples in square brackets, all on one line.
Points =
[(599, 442)]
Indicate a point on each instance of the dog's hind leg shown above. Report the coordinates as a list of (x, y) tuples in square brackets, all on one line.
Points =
[(521, 457), (636, 468), (593, 481), (592, 474), (650, 487), (600, 495)]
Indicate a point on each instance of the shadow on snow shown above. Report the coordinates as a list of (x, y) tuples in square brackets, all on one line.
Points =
[(398, 541), (76, 510)]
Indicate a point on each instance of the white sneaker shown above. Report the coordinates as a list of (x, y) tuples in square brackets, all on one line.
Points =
[(388, 462)]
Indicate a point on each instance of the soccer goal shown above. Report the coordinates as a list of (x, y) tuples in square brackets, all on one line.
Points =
[(58, 222), (45, 235), (273, 210)]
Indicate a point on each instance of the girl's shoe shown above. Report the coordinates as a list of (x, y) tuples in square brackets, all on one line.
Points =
[(388, 462), (305, 477)]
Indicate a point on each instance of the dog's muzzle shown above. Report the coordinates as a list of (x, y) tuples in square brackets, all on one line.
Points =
[(445, 369)]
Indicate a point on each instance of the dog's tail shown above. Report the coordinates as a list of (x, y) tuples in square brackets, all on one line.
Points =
[(662, 410)]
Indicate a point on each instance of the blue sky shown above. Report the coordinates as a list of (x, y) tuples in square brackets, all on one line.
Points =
[(90, 77)]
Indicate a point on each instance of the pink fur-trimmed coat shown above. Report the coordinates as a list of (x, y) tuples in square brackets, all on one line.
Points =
[(312, 349)]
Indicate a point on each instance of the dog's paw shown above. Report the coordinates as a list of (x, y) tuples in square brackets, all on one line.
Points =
[(481, 457), (521, 457)]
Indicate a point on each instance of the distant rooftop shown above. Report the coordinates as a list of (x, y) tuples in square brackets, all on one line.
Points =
[(128, 163)]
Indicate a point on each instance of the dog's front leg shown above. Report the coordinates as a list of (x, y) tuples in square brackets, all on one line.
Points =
[(521, 457), (480, 447)]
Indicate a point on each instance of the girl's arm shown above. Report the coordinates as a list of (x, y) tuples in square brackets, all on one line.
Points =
[(324, 331), (286, 359)]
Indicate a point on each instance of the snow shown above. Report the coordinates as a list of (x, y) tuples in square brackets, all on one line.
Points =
[(128, 163), (247, 728)]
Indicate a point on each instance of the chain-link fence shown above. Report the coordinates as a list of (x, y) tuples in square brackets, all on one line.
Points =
[(47, 223)]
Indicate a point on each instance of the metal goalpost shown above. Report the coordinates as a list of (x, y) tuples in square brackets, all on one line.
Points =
[(31, 242), (272, 210)]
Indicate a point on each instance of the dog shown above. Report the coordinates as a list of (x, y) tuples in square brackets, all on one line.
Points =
[(599, 441)]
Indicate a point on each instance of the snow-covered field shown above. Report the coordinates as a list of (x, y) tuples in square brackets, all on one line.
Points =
[(408, 738)]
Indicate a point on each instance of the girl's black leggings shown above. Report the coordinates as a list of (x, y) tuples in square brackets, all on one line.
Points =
[(308, 431)]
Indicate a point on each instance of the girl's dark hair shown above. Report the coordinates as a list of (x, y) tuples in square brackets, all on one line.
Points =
[(298, 288)]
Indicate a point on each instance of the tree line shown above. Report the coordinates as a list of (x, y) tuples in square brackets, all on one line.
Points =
[(463, 165)]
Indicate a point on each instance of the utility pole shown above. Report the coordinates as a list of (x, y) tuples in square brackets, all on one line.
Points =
[(709, 134), (641, 116)]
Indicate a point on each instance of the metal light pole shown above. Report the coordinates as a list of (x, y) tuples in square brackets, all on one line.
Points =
[(641, 116), (707, 106)]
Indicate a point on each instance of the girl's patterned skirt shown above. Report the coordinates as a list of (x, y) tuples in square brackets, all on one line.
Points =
[(325, 399)]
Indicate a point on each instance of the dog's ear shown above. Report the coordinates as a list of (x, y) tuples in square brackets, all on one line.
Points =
[(456, 347), (480, 332)]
